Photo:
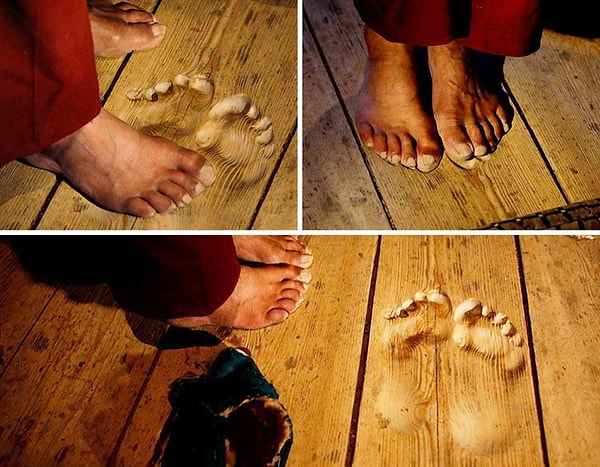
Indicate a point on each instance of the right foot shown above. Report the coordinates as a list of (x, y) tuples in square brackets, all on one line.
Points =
[(262, 297), (390, 117), (125, 170), (273, 249), (121, 27)]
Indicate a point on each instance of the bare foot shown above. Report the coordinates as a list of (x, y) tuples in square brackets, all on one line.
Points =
[(471, 117), (262, 297), (125, 170), (273, 249), (121, 27), (390, 117)]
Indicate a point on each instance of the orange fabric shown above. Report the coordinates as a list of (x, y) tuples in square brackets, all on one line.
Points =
[(47, 74), (490, 26)]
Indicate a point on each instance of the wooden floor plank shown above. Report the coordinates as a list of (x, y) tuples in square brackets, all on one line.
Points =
[(338, 192), (514, 182), (67, 393), (314, 379), (317, 380), (562, 276), (22, 300), (107, 68), (74, 378), (281, 200), (143, 432), (430, 402), (557, 89), (234, 42), (23, 192)]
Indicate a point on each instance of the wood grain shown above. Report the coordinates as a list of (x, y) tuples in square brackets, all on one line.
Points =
[(313, 358), (79, 371), (22, 299), (562, 275), (247, 47), (557, 90), (450, 406), (514, 182), (338, 192), (281, 202)]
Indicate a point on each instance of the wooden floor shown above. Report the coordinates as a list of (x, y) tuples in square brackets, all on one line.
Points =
[(247, 47), (81, 383), (549, 159)]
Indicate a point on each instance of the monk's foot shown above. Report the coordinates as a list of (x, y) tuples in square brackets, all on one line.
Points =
[(273, 249), (125, 170), (121, 27), (263, 296), (471, 116), (390, 117)]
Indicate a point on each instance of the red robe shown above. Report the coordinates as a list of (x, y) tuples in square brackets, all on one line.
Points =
[(496, 27), (158, 276), (174, 276), (47, 74)]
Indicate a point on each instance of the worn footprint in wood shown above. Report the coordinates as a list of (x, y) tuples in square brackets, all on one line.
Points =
[(410, 336), (178, 103), (489, 359), (236, 137), (480, 329)]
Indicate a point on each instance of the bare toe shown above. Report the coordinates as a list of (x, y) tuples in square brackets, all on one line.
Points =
[(390, 117)]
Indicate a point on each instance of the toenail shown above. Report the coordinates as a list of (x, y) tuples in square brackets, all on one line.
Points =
[(464, 150), (305, 276), (198, 188), (411, 162), (158, 29), (395, 159), (506, 127), (207, 172), (186, 199), (480, 151), (428, 160)]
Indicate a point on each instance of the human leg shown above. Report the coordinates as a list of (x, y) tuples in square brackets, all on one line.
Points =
[(51, 114), (471, 111)]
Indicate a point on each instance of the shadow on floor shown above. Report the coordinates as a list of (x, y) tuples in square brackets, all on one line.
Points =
[(575, 18), (79, 264)]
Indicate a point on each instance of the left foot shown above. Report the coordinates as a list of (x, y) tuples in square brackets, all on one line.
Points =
[(471, 117), (121, 27), (273, 249)]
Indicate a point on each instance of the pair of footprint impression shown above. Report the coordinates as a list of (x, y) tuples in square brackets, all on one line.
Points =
[(232, 133), (473, 327)]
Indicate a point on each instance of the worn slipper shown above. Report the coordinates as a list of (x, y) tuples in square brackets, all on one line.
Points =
[(230, 416)]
